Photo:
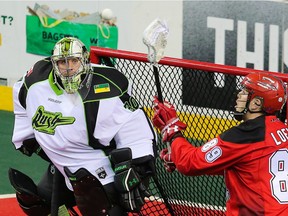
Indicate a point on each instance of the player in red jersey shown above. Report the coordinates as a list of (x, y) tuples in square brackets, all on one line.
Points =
[(252, 156)]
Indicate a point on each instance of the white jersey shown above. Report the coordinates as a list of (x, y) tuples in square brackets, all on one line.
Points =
[(74, 130)]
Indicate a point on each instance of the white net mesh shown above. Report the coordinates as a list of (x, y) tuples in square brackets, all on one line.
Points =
[(155, 38)]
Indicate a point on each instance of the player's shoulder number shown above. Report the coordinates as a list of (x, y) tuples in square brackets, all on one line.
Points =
[(213, 152)]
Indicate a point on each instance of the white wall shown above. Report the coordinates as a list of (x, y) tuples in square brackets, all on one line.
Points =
[(132, 18)]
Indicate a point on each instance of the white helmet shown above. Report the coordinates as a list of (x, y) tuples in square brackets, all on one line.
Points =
[(66, 49)]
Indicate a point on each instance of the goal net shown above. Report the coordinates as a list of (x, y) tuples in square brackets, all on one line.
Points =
[(203, 95)]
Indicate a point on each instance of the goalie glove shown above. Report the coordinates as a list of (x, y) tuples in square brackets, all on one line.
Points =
[(166, 120), (127, 181), (31, 146), (165, 156)]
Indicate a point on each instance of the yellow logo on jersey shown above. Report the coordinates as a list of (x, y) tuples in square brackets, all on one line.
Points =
[(101, 88)]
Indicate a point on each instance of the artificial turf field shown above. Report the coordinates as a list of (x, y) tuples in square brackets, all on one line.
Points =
[(32, 166)]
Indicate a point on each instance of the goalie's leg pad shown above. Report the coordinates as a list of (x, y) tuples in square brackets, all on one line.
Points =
[(45, 188), (27, 195), (89, 193)]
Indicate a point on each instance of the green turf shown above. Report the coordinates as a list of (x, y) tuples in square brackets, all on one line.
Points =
[(32, 166)]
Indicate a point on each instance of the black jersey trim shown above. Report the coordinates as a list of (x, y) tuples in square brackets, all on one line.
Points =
[(91, 113), (22, 95), (154, 143), (40, 72), (248, 132)]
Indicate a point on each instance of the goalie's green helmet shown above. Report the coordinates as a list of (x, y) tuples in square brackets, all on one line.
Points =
[(64, 50)]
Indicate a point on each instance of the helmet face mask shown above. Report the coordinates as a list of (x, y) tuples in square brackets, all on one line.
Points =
[(71, 63), (269, 89)]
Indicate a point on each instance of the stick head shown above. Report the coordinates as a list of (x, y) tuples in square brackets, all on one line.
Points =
[(155, 38)]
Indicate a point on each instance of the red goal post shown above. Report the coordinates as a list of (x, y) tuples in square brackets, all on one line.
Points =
[(203, 94), (177, 62)]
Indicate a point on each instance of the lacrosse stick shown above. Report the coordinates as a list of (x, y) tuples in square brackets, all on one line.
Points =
[(55, 193), (155, 38)]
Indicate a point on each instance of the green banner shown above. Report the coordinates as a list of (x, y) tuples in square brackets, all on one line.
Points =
[(42, 33)]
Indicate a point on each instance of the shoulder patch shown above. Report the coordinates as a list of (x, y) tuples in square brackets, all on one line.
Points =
[(209, 145), (213, 154), (101, 88), (107, 82)]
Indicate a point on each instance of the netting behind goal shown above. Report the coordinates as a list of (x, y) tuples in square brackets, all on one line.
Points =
[(203, 94)]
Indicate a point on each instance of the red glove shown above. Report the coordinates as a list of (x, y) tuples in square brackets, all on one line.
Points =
[(165, 156), (165, 118)]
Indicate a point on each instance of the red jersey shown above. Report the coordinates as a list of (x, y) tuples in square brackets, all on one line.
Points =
[(253, 157)]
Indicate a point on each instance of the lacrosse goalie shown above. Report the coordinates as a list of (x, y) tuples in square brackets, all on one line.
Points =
[(81, 118)]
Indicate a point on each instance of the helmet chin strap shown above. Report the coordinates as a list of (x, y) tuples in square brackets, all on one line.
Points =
[(239, 115)]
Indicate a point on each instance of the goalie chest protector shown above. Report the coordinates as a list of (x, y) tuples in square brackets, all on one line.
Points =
[(107, 82)]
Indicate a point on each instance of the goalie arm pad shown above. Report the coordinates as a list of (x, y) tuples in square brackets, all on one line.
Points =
[(126, 177), (31, 146), (145, 166), (127, 180)]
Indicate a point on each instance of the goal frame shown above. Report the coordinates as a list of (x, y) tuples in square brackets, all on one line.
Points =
[(96, 53)]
